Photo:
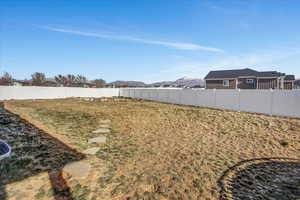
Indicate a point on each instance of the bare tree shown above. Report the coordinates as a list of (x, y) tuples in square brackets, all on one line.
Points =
[(80, 80), (38, 78), (6, 79), (62, 80), (99, 83), (71, 80)]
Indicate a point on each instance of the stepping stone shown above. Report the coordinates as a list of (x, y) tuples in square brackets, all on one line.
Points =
[(91, 151), (105, 121), (97, 140), (77, 170), (102, 130), (105, 126)]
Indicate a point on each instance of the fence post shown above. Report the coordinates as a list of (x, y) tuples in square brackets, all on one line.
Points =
[(133, 93), (167, 95), (215, 97), (271, 103), (66, 92), (180, 96), (239, 100)]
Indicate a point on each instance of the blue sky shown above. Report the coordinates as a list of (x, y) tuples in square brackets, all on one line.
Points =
[(148, 40)]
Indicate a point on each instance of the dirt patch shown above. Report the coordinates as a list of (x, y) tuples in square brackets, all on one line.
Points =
[(34, 152)]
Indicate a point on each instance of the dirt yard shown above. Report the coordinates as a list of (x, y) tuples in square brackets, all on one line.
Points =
[(160, 151)]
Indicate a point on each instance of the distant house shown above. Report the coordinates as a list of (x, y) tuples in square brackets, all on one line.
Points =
[(17, 83), (248, 79), (297, 84)]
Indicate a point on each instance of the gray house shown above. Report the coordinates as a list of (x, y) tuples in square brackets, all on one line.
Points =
[(248, 79), (297, 84)]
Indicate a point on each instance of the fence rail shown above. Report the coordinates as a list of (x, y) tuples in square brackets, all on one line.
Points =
[(272, 102)]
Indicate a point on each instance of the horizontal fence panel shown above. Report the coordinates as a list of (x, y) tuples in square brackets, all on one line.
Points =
[(124, 92), (146, 94), (188, 97), (206, 98), (227, 100), (258, 101), (92, 92), (33, 92), (174, 96), (153, 94), (286, 103), (161, 95), (273, 102), (16, 92), (131, 93)]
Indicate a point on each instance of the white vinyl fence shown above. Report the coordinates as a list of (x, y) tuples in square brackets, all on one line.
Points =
[(272, 102), (32, 92)]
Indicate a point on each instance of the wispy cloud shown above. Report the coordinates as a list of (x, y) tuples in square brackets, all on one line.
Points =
[(175, 45), (262, 61)]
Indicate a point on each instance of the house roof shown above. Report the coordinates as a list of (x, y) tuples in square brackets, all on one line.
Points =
[(230, 73), (269, 74), (245, 72), (289, 77)]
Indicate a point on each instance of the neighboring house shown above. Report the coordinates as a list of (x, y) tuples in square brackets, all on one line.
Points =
[(297, 84), (17, 83), (50, 83), (248, 79)]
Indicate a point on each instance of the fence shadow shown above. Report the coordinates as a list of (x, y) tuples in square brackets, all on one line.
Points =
[(34, 152), (262, 178)]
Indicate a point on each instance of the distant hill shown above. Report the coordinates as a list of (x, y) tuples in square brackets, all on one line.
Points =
[(182, 82), (189, 82), (128, 84), (162, 83)]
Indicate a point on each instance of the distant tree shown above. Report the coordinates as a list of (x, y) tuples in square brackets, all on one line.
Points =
[(71, 80), (38, 78), (80, 80), (6, 79), (99, 83), (61, 80)]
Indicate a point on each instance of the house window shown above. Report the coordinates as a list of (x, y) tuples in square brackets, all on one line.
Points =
[(225, 82), (250, 81)]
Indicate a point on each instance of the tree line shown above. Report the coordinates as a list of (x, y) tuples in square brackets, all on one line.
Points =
[(39, 79)]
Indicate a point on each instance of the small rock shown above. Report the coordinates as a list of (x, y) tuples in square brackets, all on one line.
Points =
[(97, 140), (105, 126), (77, 170), (91, 151), (102, 130), (283, 143), (105, 121)]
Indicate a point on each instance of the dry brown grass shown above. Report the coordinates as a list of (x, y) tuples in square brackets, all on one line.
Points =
[(162, 151)]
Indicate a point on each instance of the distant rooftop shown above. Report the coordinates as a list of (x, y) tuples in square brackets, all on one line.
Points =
[(245, 72)]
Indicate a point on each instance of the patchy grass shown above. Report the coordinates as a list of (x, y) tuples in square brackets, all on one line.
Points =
[(160, 151)]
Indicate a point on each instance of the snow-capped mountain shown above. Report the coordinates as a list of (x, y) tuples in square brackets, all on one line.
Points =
[(182, 82)]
